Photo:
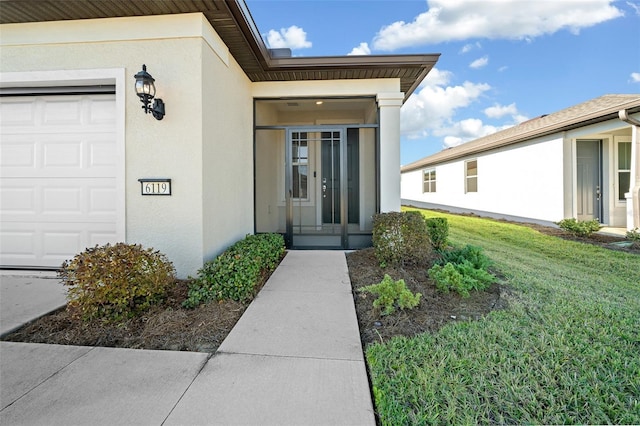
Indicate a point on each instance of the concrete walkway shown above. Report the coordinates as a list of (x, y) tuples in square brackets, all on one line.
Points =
[(25, 296), (294, 358)]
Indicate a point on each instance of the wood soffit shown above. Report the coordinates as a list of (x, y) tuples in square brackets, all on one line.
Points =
[(233, 22)]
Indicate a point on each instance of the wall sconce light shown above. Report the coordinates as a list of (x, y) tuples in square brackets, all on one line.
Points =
[(146, 91)]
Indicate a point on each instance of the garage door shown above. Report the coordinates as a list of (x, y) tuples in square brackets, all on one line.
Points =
[(58, 177)]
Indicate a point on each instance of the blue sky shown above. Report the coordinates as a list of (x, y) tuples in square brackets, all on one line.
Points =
[(502, 61)]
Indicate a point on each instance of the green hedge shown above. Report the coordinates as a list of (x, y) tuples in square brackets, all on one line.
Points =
[(400, 237), (235, 273), (438, 230)]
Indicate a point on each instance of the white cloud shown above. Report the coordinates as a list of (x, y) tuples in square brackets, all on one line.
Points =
[(432, 111), (436, 77), (499, 111), (470, 46), (465, 131), (635, 77), (362, 49), (293, 37), (480, 62), (433, 106), (450, 20), (635, 7)]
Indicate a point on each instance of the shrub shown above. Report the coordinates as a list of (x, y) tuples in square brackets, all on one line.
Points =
[(633, 235), (469, 253), (116, 282), (438, 230), (580, 228), (235, 273), (464, 270), (391, 293), (400, 237)]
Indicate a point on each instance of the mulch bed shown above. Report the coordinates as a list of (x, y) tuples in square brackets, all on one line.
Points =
[(434, 311), (169, 326)]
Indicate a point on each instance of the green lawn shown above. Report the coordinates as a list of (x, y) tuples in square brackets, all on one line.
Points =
[(567, 350)]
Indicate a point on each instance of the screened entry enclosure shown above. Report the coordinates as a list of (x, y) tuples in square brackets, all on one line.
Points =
[(316, 183)]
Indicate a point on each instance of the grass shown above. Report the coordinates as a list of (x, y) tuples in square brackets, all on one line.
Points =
[(567, 350)]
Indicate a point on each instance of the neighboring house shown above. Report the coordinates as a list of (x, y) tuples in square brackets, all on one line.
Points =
[(581, 162), (253, 140)]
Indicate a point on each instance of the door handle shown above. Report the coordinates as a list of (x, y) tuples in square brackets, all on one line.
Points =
[(598, 192)]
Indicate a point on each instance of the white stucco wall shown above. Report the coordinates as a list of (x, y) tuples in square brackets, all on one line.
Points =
[(227, 156), (526, 181), (204, 143)]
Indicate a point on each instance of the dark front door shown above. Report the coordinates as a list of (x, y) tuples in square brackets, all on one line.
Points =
[(331, 197), (331, 178), (589, 179)]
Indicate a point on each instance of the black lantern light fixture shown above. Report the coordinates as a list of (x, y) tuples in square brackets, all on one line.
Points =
[(146, 91)]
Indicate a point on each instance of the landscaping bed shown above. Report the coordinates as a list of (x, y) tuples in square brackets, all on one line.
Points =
[(169, 326), (166, 326), (435, 309)]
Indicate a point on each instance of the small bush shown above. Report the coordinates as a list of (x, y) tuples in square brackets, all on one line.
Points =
[(464, 270), (400, 237), (633, 235), (438, 230), (391, 293), (116, 282), (580, 228), (235, 273), (469, 253)]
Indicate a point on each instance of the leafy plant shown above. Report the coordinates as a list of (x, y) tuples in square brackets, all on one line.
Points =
[(438, 230), (633, 235), (391, 293), (235, 273), (468, 253), (464, 270), (115, 282), (399, 238), (580, 228)]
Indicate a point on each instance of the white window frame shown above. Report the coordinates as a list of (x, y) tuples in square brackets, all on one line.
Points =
[(467, 176), (296, 162), (618, 170), (428, 180)]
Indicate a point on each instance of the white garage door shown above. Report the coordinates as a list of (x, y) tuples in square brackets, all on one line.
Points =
[(57, 177)]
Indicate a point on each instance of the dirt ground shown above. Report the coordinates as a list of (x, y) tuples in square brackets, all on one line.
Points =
[(435, 309), (171, 327)]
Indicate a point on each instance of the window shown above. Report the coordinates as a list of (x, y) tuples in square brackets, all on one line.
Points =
[(624, 168), (471, 176), (300, 163), (429, 180)]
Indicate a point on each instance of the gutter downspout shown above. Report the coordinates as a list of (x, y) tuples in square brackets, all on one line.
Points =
[(633, 196)]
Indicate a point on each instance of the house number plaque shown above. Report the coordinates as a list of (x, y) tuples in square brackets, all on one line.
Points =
[(155, 186)]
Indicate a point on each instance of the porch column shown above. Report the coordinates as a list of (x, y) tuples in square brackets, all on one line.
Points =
[(389, 105), (633, 196)]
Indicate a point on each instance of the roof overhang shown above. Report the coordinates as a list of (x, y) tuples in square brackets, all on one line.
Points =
[(232, 21)]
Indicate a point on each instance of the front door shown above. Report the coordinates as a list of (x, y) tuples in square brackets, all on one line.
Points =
[(589, 179), (318, 193)]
